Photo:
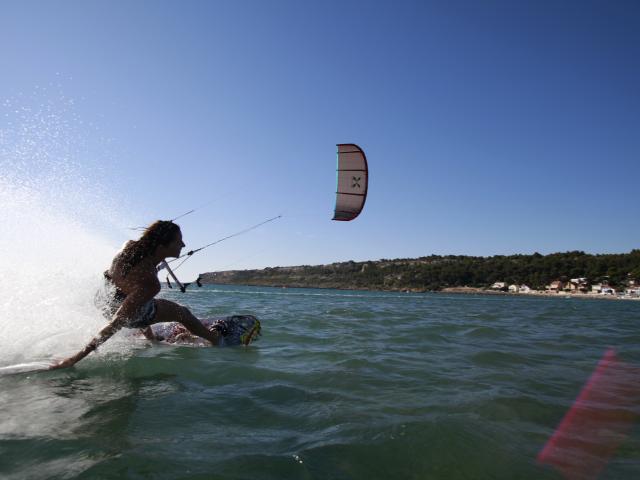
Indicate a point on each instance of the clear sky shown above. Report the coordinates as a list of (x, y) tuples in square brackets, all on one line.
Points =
[(491, 127)]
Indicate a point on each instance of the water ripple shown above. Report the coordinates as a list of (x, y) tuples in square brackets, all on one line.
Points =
[(341, 385)]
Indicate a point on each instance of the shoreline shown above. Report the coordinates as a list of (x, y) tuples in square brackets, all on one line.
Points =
[(534, 293), (451, 290)]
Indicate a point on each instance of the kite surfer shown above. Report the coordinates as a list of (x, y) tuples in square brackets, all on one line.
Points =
[(132, 284)]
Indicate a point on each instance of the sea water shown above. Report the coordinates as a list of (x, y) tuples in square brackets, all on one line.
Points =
[(341, 385)]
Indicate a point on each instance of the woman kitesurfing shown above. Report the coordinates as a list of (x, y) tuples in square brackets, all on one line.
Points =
[(132, 281), (132, 284)]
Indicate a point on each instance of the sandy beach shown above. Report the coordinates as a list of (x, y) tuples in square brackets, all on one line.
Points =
[(536, 293)]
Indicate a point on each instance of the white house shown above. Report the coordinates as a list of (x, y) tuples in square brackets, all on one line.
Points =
[(524, 289), (514, 289), (498, 285)]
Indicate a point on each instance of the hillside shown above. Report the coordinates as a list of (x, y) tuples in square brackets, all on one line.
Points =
[(437, 272)]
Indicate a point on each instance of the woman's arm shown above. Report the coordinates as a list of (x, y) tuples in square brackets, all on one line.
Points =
[(148, 288), (104, 334)]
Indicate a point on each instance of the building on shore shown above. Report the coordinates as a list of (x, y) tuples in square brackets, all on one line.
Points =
[(632, 291), (556, 286), (576, 285)]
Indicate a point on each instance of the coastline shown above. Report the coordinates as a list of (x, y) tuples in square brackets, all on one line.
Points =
[(449, 290), (437, 273), (534, 293)]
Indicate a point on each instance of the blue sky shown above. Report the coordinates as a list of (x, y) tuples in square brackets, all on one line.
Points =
[(490, 127)]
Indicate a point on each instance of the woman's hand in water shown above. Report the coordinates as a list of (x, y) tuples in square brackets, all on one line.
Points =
[(63, 364)]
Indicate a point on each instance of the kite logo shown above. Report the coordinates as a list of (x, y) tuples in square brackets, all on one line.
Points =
[(356, 182)]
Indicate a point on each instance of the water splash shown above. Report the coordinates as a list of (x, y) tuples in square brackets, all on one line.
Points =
[(52, 211)]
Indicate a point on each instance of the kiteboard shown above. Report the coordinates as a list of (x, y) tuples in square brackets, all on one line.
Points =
[(24, 368), (234, 330)]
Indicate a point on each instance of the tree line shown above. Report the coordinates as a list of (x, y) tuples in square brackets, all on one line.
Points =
[(436, 272)]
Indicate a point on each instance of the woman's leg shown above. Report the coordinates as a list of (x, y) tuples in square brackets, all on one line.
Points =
[(167, 311)]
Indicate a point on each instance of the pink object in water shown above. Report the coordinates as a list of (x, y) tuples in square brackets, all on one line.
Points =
[(597, 423)]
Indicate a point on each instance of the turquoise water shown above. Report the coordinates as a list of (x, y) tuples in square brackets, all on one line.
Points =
[(342, 385)]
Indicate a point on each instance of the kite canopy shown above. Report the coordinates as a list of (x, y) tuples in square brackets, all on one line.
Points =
[(353, 178)]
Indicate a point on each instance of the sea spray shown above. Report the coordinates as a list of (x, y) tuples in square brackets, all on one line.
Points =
[(53, 213), (50, 269)]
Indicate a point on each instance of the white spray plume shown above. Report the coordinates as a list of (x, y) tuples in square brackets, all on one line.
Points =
[(51, 212)]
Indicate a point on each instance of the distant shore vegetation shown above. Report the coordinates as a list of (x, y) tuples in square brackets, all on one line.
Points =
[(436, 272)]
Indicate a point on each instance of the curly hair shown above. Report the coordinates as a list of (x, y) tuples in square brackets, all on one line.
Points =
[(158, 233)]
